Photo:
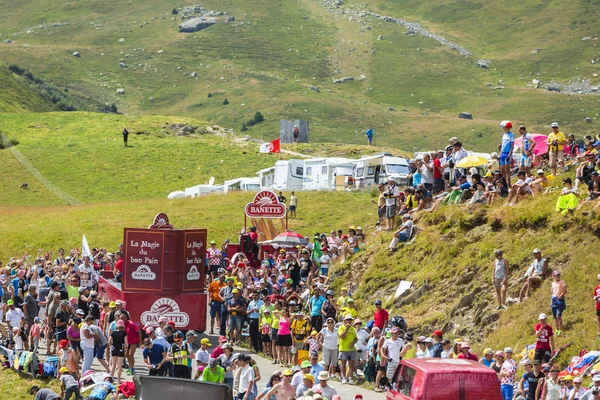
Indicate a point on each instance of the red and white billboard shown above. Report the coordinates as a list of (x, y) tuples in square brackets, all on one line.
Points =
[(144, 259), (194, 253), (265, 205)]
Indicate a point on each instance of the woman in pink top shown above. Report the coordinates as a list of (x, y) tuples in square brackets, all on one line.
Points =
[(284, 338), (134, 338), (74, 335)]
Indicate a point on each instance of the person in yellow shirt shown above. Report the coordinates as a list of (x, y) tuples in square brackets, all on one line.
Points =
[(556, 142), (349, 309), (216, 301), (342, 301), (347, 352)]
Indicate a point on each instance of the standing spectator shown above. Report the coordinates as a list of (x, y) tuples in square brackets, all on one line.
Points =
[(293, 205), (380, 316), (362, 338), (118, 344), (30, 306), (437, 348), (369, 134), (182, 357), (426, 170), (226, 293), (236, 307), (597, 299), (465, 352), (507, 374), (527, 146), (328, 338), (500, 277), (125, 136), (155, 356), (216, 301), (534, 274), (556, 142), (390, 352), (87, 344), (202, 357), (214, 259), (559, 291), (347, 351), (438, 172), (295, 133), (531, 379), (284, 337), (254, 307), (316, 306), (14, 316), (392, 193), (281, 198), (118, 270), (506, 149), (544, 343), (247, 389)]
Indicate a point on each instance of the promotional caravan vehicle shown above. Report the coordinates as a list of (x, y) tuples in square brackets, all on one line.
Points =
[(371, 170), (242, 184), (322, 173), (289, 175), (266, 177), (444, 379)]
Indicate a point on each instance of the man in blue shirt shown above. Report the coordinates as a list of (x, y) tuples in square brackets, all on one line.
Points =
[(506, 149), (254, 315), (155, 356), (101, 390), (316, 303)]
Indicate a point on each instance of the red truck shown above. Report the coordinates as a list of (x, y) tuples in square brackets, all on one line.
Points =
[(444, 379)]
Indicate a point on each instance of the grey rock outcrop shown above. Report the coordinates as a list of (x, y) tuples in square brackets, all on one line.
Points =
[(344, 79), (196, 24), (465, 115)]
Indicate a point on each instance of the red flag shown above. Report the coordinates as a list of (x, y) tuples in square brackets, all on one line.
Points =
[(271, 147)]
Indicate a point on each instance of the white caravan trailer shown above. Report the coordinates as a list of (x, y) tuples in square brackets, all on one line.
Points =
[(378, 169), (266, 177), (288, 175), (201, 190), (242, 184), (320, 173)]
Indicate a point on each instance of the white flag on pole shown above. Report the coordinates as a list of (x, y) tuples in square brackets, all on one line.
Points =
[(85, 247)]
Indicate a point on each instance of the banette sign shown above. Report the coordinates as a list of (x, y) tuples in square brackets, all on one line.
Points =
[(265, 205)]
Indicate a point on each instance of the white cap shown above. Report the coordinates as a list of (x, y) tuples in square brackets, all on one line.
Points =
[(542, 316), (598, 277), (535, 251), (508, 350), (348, 316), (540, 171), (506, 124), (554, 125), (596, 378)]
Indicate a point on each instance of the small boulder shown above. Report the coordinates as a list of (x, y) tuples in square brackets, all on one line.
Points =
[(8, 41), (315, 89), (390, 108), (483, 63), (76, 54), (194, 74), (588, 119), (120, 91), (122, 40), (465, 115), (230, 19), (196, 24), (380, 37), (342, 80)]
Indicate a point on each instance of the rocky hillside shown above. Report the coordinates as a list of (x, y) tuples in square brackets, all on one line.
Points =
[(450, 266)]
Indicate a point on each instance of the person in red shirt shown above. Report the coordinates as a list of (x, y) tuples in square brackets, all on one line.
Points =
[(544, 343), (380, 316), (134, 339), (597, 298), (118, 266), (438, 172), (465, 352)]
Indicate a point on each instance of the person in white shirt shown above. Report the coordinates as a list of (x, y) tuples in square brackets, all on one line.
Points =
[(391, 194), (14, 316), (403, 233), (328, 338), (447, 349), (361, 343), (246, 388), (519, 189), (390, 352), (426, 171)]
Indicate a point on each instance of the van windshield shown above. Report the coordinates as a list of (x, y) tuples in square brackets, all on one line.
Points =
[(397, 169), (406, 381)]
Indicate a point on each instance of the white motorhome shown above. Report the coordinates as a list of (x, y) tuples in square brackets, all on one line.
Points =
[(266, 177), (289, 175), (242, 184), (371, 170), (321, 173)]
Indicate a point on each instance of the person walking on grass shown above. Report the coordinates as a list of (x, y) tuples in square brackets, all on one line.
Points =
[(559, 291), (125, 136), (369, 134), (500, 277)]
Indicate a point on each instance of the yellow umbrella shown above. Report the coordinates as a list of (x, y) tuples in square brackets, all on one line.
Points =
[(471, 161)]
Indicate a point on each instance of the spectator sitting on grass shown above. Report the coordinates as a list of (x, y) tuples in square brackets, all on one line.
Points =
[(540, 183), (403, 234), (519, 189), (536, 271), (568, 199)]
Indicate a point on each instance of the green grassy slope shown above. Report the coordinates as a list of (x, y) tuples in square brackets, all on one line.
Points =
[(18, 96), (450, 265), (267, 59), (222, 215)]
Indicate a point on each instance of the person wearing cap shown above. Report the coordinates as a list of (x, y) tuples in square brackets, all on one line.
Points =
[(214, 373), (544, 344), (551, 386), (155, 356), (391, 194), (300, 328), (94, 308), (568, 199), (540, 183), (527, 146), (465, 352), (403, 234), (326, 391), (558, 303), (567, 388), (436, 349), (308, 380), (253, 313), (507, 374), (227, 361), (528, 384), (593, 186), (506, 149), (182, 357), (202, 356), (380, 315), (14, 316), (347, 352), (488, 357), (299, 376), (246, 389), (315, 304), (556, 141), (226, 293), (390, 352), (118, 345), (283, 389), (577, 391), (594, 391), (500, 277), (536, 271), (216, 301), (236, 308), (342, 301), (361, 344)]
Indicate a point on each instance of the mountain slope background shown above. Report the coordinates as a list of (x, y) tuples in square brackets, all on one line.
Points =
[(266, 59)]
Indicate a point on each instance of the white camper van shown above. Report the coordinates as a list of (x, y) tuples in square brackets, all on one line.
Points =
[(378, 169), (242, 184), (289, 175), (266, 177), (201, 190), (321, 173)]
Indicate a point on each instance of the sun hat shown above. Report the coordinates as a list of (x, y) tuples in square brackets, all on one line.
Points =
[(465, 345), (120, 323), (287, 372), (500, 353), (149, 330), (555, 272), (567, 378), (213, 242), (235, 291), (112, 304), (497, 252), (10, 303), (222, 339), (63, 370), (596, 378), (310, 377), (577, 379), (305, 364), (79, 311), (536, 251), (344, 288), (540, 171), (508, 350), (357, 321), (438, 333), (541, 316), (323, 376), (118, 303), (377, 302), (205, 341), (81, 289), (191, 333), (348, 316)]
